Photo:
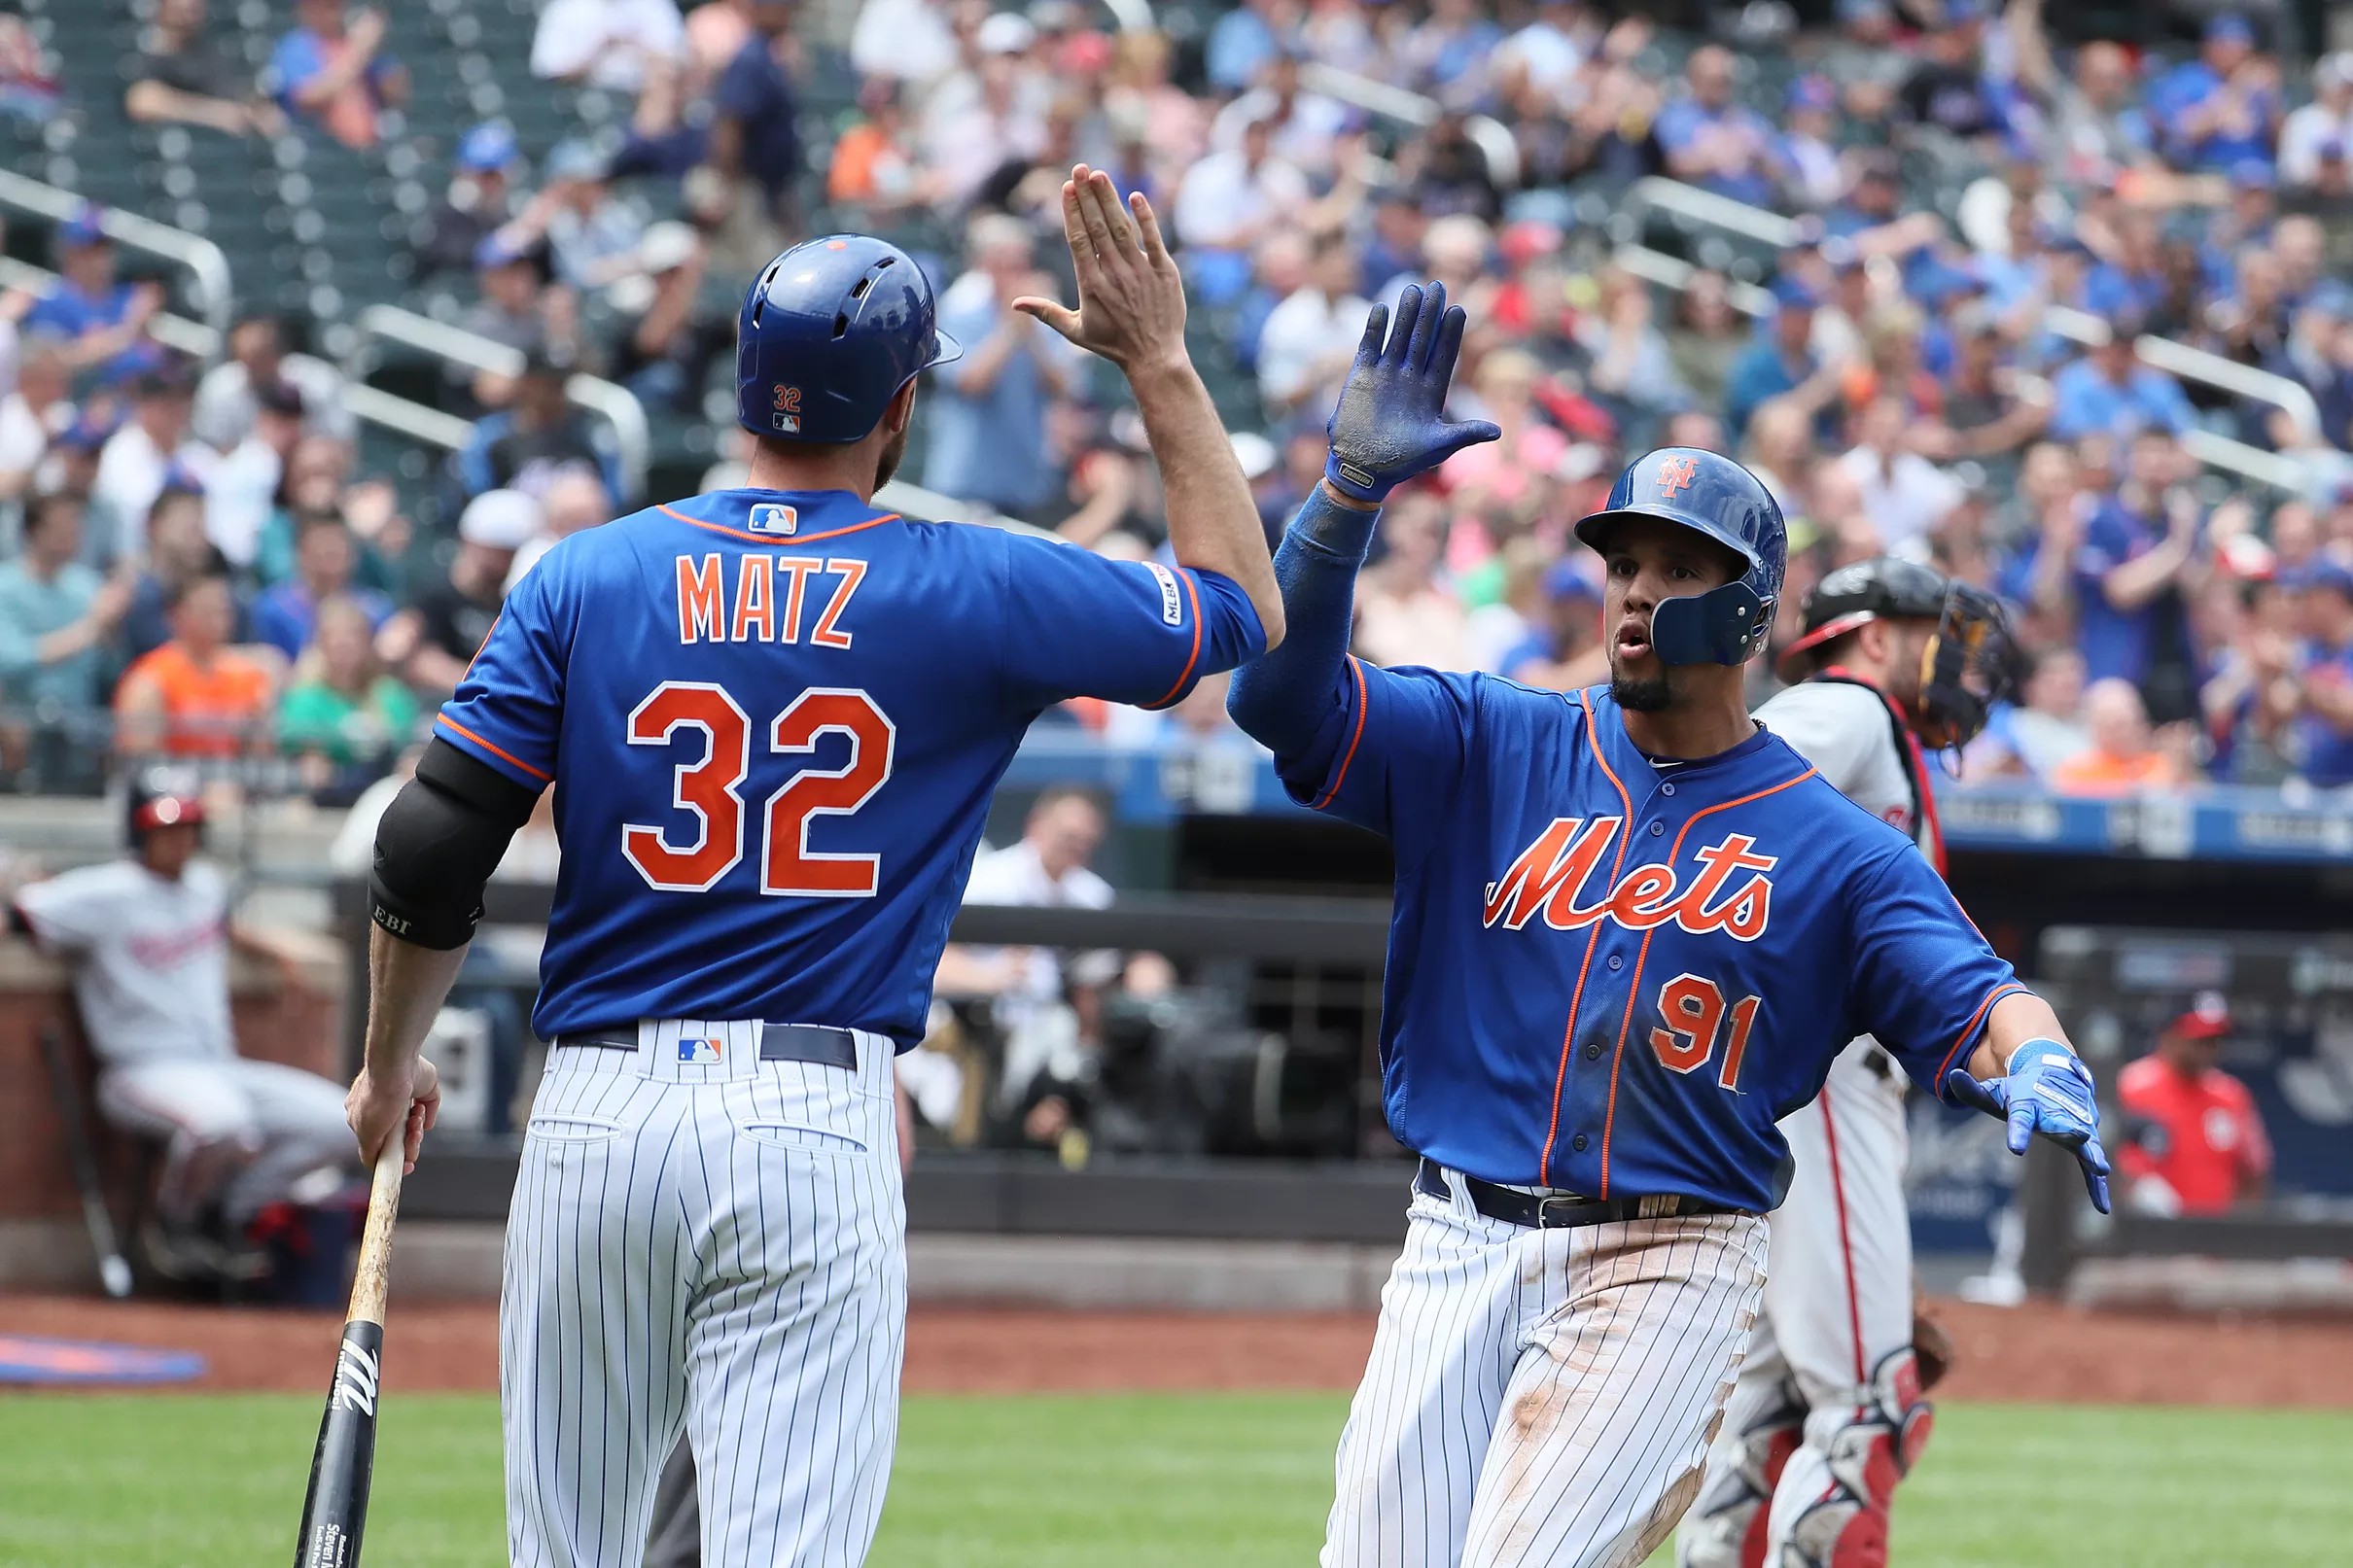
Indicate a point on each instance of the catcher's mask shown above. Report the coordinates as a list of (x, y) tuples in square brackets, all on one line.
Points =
[(1969, 665)]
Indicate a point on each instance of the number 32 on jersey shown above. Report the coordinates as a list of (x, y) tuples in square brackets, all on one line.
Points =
[(712, 789)]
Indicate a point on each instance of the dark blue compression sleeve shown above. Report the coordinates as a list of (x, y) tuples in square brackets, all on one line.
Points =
[(1292, 700)]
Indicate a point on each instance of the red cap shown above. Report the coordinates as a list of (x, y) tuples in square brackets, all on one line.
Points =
[(168, 811), (2208, 1018)]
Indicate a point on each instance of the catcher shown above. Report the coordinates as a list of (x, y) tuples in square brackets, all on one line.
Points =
[(1829, 1412)]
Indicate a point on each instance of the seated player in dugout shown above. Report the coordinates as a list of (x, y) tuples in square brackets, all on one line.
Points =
[(1632, 931), (148, 937)]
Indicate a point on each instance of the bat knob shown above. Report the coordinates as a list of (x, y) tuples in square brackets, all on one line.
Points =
[(115, 1275)]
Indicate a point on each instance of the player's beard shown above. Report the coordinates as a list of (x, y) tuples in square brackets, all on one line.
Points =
[(892, 450), (1637, 695)]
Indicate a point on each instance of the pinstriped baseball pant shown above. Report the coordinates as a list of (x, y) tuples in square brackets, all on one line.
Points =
[(719, 1248), (1541, 1396)]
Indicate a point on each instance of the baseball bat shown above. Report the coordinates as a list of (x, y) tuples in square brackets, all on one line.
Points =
[(114, 1270), (334, 1511)]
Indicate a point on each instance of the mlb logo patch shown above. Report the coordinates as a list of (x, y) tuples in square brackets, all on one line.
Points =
[(706, 1053), (770, 517)]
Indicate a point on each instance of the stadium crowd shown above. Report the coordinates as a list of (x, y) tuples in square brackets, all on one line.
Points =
[(1942, 364)]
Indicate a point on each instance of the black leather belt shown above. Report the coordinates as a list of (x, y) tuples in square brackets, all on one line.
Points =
[(778, 1042), (1560, 1211)]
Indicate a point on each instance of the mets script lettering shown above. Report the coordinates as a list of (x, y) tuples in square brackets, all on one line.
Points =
[(1548, 876)]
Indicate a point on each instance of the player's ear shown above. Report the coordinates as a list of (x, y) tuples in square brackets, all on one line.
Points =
[(901, 408)]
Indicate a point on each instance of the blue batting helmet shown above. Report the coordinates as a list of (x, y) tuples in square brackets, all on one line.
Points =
[(1713, 494), (829, 334)]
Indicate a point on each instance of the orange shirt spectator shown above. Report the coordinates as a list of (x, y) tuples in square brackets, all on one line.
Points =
[(2124, 758), (195, 696), (2196, 1144)]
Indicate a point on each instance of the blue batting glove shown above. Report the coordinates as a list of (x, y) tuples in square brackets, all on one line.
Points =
[(2048, 1091), (1391, 421)]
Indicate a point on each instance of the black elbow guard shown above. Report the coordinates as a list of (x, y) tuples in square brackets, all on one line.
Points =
[(439, 841)]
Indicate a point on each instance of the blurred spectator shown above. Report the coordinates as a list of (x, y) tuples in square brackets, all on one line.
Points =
[(606, 42), (2327, 121), (1503, 484), (1404, 614), (576, 501), (228, 397), (525, 446), (1780, 361), (2323, 739), (1446, 55), (1780, 452), (2130, 284), (1048, 867), (1303, 129), (318, 487), (431, 642), (591, 238), (1243, 41), (2223, 107), (877, 166), (195, 695), (57, 617), (2124, 757), (1630, 362), (1310, 339), (326, 557), (1713, 141), (667, 354), (755, 147), (1805, 155), (989, 410), (2045, 728), (342, 716), (242, 485), (29, 89), (514, 309), (2193, 1141), (1228, 200), (35, 411), (1706, 337), (477, 204), (1948, 89), (177, 553), (908, 40), (337, 75), (1905, 494), (2139, 553), (102, 320), (2110, 392), (152, 443), (183, 74), (1563, 651)]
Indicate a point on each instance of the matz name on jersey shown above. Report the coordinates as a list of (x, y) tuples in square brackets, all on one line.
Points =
[(1548, 875), (771, 597)]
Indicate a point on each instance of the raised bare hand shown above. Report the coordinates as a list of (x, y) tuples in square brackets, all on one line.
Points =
[(1130, 300)]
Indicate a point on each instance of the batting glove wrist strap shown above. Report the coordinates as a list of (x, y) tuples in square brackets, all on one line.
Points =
[(1391, 424)]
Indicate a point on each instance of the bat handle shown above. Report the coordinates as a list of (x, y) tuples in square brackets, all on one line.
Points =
[(370, 1275)]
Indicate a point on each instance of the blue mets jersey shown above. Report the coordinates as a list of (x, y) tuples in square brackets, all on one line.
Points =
[(1614, 976), (774, 722)]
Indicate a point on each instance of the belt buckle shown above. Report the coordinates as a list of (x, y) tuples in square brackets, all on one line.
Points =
[(1567, 1201)]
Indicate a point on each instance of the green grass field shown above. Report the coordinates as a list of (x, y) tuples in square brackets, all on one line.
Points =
[(1159, 1481)]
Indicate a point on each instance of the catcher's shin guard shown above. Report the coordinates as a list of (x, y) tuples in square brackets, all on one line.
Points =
[(1727, 1526), (1846, 1527)]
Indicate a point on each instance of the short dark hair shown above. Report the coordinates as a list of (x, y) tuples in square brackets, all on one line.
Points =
[(1054, 794), (179, 593), (40, 510)]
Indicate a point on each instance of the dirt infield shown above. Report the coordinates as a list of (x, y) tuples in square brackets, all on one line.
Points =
[(2035, 1352)]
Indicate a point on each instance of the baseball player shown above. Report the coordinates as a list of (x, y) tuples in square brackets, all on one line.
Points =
[(1631, 930), (1828, 1413), (774, 718), (149, 938)]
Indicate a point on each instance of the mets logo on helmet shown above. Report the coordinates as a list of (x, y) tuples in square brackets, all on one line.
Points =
[(1677, 474), (786, 409)]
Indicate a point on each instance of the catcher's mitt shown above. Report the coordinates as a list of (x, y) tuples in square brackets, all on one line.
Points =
[(1931, 1349)]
